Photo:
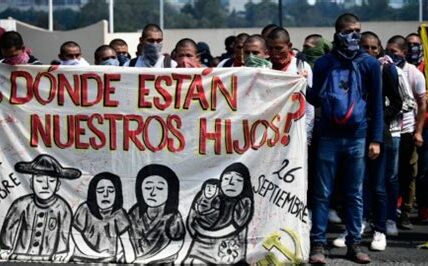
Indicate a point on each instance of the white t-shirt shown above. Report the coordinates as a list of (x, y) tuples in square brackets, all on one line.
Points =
[(417, 84)]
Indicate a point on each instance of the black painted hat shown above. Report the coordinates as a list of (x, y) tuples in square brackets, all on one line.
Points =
[(47, 165)]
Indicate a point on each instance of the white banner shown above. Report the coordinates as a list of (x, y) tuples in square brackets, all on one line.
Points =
[(109, 164)]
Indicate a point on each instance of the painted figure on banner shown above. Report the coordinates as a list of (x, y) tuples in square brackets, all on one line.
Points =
[(206, 205), (37, 226), (226, 240), (157, 228), (101, 225)]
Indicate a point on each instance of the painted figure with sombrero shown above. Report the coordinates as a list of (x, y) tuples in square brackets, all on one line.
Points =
[(38, 225)]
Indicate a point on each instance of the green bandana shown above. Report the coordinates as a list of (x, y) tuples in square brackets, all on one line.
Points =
[(312, 54), (255, 61)]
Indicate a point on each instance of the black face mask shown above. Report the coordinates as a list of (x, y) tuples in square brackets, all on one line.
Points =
[(398, 60), (415, 54)]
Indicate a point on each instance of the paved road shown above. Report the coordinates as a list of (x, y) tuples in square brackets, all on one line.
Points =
[(401, 250)]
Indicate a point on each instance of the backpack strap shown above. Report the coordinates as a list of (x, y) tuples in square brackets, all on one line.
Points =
[(133, 62), (228, 63)]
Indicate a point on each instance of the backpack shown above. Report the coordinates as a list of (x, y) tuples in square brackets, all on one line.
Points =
[(166, 61), (342, 98)]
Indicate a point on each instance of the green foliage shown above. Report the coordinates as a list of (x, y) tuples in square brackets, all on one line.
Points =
[(132, 15)]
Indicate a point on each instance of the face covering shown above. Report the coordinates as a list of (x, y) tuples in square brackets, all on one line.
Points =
[(348, 43), (20, 59), (255, 61), (415, 53), (312, 54), (186, 62), (122, 59), (398, 60), (110, 62), (75, 62), (151, 52)]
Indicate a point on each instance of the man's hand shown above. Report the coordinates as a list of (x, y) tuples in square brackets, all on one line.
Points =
[(374, 150), (417, 137)]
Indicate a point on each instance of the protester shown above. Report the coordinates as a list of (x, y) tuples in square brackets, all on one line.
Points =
[(267, 30), (412, 127), (121, 49), (343, 138), (415, 56), (106, 55), (228, 43), (283, 59), (256, 52), (205, 54), (70, 54), (238, 52), (186, 54), (314, 47), (381, 180), (13, 50), (151, 55)]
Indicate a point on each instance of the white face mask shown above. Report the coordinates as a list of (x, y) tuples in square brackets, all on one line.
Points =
[(75, 62)]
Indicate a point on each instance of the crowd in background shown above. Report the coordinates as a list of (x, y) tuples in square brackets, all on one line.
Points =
[(367, 168)]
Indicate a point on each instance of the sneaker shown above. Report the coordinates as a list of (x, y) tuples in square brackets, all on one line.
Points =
[(317, 254), (333, 217), (405, 223), (340, 241), (391, 228), (379, 241), (355, 254)]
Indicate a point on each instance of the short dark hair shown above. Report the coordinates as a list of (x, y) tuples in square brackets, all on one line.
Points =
[(268, 29), (315, 37), (279, 33), (68, 44), (344, 19), (256, 38), (400, 41), (370, 34), (229, 40), (242, 37), (11, 39), (150, 27), (413, 34), (117, 42), (100, 50), (92, 195), (186, 42)]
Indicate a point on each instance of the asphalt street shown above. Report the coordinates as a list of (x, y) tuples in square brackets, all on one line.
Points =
[(401, 250)]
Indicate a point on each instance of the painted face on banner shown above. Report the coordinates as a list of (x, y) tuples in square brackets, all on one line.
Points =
[(44, 186), (106, 194), (210, 190), (155, 190), (232, 184)]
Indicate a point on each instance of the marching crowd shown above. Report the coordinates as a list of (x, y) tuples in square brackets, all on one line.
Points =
[(368, 146)]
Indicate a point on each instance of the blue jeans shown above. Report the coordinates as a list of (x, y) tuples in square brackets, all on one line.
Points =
[(331, 153), (374, 194), (391, 177)]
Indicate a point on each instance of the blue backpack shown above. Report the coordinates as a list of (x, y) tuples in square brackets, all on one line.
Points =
[(342, 97)]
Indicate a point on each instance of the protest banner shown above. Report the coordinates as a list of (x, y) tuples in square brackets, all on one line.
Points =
[(110, 164)]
